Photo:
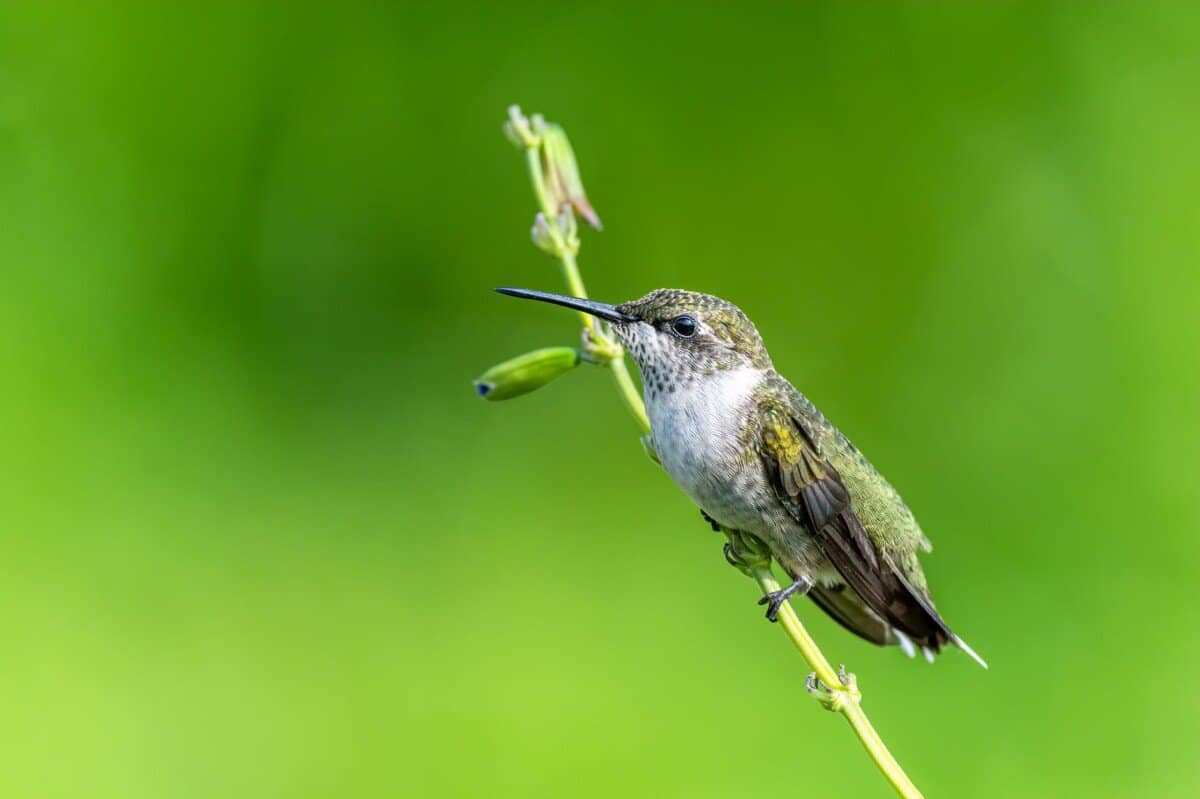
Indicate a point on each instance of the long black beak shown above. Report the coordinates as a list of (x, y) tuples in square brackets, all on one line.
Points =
[(600, 309)]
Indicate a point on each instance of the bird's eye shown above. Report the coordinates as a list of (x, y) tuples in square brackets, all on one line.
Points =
[(683, 326)]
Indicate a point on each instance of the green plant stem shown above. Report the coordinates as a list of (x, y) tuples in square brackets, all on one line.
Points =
[(570, 269), (629, 392), (840, 692), (620, 369), (845, 698), (533, 161)]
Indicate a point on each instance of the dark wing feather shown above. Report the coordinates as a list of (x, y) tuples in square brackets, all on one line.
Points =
[(813, 493), (848, 610), (804, 482)]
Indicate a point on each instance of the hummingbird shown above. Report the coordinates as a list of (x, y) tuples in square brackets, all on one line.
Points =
[(758, 458)]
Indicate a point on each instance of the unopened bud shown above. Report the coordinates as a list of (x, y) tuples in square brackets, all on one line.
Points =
[(526, 373), (544, 235), (563, 184), (519, 129), (512, 134), (568, 228)]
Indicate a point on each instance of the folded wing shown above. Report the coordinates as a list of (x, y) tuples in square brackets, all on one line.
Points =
[(813, 493)]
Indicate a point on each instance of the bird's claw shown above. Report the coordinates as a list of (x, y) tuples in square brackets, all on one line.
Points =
[(745, 553), (775, 599)]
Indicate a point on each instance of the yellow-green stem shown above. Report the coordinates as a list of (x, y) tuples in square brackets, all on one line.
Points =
[(849, 702), (629, 392), (533, 160), (565, 257)]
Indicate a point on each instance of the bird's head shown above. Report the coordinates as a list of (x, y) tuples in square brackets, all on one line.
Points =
[(674, 336)]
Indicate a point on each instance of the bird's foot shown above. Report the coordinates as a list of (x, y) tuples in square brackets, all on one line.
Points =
[(745, 552), (774, 599), (712, 523), (731, 555), (833, 697)]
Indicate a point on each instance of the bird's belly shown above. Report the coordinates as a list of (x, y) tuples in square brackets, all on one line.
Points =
[(727, 492), (733, 490), (707, 454), (716, 473)]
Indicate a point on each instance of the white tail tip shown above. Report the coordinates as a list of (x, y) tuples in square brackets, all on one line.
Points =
[(961, 644), (906, 643)]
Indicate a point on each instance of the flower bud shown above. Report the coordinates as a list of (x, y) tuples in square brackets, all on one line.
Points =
[(518, 128), (568, 228), (544, 235), (563, 185), (525, 373)]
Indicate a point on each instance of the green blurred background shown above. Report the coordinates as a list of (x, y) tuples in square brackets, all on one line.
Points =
[(262, 540)]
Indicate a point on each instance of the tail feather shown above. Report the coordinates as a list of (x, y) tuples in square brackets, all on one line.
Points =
[(847, 609), (906, 643), (936, 618), (961, 644)]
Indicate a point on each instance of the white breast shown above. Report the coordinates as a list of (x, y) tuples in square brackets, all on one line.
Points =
[(697, 433)]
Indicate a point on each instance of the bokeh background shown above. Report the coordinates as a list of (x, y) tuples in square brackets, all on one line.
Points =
[(262, 540)]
